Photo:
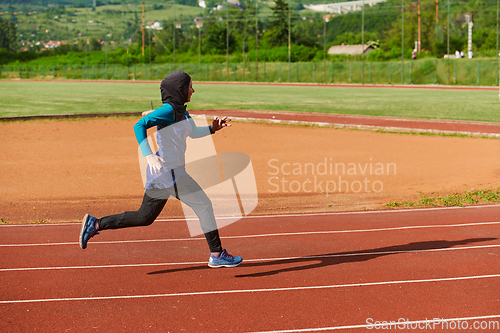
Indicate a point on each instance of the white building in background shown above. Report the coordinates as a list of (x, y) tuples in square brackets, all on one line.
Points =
[(155, 26), (342, 7)]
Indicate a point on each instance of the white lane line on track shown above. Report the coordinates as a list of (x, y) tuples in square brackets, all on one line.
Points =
[(304, 233), (242, 291), (312, 257), (407, 324), (280, 215)]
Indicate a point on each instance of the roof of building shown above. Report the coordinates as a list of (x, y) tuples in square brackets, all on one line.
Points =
[(342, 7), (350, 49)]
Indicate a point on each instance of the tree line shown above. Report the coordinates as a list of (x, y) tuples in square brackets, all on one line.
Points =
[(264, 33)]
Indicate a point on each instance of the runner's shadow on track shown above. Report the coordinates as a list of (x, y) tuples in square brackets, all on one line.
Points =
[(323, 260)]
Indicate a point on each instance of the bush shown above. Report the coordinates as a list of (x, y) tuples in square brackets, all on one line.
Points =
[(6, 56), (427, 68), (376, 55), (280, 54)]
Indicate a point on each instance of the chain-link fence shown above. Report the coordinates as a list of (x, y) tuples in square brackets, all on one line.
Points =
[(425, 71)]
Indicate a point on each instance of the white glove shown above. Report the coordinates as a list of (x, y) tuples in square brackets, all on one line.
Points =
[(154, 162)]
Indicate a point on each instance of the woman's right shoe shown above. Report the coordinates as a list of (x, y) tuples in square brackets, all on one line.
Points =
[(224, 260)]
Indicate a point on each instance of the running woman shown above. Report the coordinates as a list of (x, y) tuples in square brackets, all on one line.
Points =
[(166, 173)]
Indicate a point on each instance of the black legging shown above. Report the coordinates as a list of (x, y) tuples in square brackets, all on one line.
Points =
[(186, 190)]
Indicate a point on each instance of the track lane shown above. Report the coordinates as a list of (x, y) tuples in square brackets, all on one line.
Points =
[(348, 305), (353, 300), (174, 229)]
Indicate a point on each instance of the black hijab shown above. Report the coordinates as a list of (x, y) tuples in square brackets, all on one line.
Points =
[(174, 91)]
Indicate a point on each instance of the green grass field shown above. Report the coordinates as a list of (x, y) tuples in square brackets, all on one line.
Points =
[(37, 98)]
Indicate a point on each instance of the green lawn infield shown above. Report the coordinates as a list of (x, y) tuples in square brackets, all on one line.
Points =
[(23, 98)]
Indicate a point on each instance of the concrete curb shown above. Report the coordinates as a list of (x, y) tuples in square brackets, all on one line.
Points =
[(365, 127), (260, 120), (71, 116)]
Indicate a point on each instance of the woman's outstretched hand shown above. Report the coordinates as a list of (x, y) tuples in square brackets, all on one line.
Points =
[(154, 162), (218, 124)]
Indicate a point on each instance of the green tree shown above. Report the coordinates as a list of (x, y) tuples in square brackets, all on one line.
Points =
[(244, 28), (95, 45), (215, 43), (277, 35), (8, 35)]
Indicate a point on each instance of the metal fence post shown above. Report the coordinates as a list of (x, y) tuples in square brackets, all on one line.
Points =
[(478, 65), (411, 68), (455, 73), (436, 75), (390, 69), (369, 72)]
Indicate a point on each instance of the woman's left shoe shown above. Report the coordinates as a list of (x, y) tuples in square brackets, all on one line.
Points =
[(224, 260), (88, 230)]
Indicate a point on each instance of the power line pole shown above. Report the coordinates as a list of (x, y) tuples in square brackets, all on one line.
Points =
[(325, 19), (437, 17), (256, 41), (437, 12), (106, 39), (419, 30), (142, 28), (174, 30), (227, 40), (289, 41), (199, 25), (469, 39), (498, 81), (403, 42), (363, 43), (448, 42)]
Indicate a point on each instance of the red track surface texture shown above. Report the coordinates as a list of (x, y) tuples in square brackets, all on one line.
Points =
[(363, 122), (301, 273)]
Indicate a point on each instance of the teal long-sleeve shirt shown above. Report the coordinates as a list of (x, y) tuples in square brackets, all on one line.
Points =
[(162, 117)]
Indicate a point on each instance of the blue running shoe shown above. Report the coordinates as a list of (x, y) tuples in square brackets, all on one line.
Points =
[(88, 230), (225, 260)]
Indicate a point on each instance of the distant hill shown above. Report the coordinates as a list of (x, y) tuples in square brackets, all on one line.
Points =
[(118, 23)]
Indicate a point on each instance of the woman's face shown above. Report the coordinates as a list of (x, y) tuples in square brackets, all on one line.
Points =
[(191, 90)]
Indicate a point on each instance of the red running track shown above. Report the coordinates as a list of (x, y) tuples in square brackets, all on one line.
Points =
[(301, 273), (363, 122)]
